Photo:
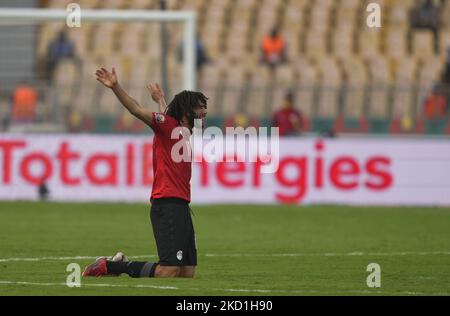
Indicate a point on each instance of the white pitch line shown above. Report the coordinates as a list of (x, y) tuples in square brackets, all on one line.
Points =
[(286, 292), (4, 282), (90, 285), (327, 254), (332, 254), (63, 258)]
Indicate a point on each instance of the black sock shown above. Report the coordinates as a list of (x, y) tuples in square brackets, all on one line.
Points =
[(134, 269)]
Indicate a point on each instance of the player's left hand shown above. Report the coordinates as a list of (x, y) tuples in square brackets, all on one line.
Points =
[(156, 92)]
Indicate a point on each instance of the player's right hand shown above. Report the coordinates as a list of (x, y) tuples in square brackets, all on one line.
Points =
[(109, 79), (156, 92)]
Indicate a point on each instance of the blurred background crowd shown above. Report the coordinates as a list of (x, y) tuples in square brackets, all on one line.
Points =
[(304, 66)]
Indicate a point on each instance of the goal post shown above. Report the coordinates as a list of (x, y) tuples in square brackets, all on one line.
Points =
[(188, 18)]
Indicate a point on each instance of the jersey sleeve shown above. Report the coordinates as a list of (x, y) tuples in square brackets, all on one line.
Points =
[(162, 124)]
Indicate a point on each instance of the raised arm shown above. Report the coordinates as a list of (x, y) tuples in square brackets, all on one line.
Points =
[(158, 96), (109, 80)]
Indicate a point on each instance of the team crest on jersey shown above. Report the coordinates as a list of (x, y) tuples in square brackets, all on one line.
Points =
[(159, 118), (180, 255)]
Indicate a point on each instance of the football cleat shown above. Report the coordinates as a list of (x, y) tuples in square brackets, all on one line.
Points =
[(96, 269)]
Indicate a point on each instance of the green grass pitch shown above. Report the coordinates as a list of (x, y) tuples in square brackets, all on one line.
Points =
[(242, 250)]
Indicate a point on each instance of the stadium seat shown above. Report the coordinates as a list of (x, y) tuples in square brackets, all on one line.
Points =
[(131, 39), (103, 39), (329, 90), (267, 15), (308, 78), (355, 87), (145, 70), (235, 46), (319, 16), (342, 42), (343, 29), (399, 15), (428, 76), (211, 38), (444, 42), (350, 5), (380, 81), (258, 101), (405, 80), (175, 75), (114, 4), (107, 103), (315, 44), (66, 78), (149, 36), (423, 44), (211, 82), (292, 28), (293, 18), (285, 80), (234, 84), (446, 16), (86, 100), (142, 4), (57, 4), (369, 41)]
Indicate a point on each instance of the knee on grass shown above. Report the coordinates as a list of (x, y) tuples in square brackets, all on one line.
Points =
[(187, 272), (167, 272)]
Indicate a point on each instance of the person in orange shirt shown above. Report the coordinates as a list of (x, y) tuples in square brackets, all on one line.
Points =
[(24, 101), (273, 48)]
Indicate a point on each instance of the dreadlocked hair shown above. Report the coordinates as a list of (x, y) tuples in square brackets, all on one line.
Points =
[(184, 104)]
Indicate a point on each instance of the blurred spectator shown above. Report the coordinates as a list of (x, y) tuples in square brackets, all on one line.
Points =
[(241, 120), (24, 99), (446, 77), (445, 87), (43, 191), (407, 123), (202, 56), (61, 47), (436, 104), (426, 15), (77, 122), (4, 124), (128, 124), (5, 113), (288, 119), (273, 49), (74, 121)]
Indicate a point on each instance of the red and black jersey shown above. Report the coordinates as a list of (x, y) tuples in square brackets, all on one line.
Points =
[(171, 178)]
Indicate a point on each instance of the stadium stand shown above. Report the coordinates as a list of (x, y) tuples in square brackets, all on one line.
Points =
[(339, 69)]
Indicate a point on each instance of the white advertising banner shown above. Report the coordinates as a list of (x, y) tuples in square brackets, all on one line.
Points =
[(310, 171)]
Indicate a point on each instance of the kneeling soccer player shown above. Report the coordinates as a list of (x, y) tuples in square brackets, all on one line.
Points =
[(170, 212)]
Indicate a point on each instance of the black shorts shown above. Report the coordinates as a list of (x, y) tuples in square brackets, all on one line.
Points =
[(174, 232)]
